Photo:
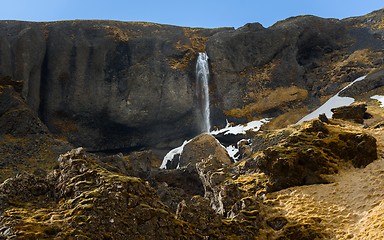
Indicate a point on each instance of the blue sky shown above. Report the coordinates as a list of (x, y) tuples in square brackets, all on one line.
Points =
[(195, 13)]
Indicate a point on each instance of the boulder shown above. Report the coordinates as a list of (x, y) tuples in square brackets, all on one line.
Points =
[(202, 147), (355, 113), (176, 185)]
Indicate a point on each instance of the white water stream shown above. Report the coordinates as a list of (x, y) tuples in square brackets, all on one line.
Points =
[(202, 89)]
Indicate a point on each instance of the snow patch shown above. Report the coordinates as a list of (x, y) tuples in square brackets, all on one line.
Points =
[(171, 154), (232, 151), (379, 98), (241, 129), (334, 102)]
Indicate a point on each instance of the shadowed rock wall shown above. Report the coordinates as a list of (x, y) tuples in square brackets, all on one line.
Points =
[(107, 85)]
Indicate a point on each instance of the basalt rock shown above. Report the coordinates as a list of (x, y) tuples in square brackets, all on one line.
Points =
[(104, 84), (137, 164), (25, 142), (209, 224), (259, 72)]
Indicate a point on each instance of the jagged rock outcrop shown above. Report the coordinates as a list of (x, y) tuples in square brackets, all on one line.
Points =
[(356, 113), (201, 154), (82, 200), (371, 83), (90, 196), (300, 155), (316, 150)]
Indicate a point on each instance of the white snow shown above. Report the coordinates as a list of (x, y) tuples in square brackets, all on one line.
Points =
[(232, 151), (170, 155), (241, 129), (333, 102), (379, 98)]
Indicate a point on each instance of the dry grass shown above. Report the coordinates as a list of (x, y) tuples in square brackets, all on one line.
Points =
[(285, 119), (269, 99), (196, 44)]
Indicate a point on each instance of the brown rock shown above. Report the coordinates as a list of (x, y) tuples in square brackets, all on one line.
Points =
[(87, 201), (355, 113), (311, 152), (203, 147)]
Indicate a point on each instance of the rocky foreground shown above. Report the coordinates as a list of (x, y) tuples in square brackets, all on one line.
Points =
[(318, 180)]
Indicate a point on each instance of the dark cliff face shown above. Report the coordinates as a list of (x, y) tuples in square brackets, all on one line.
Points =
[(112, 85), (266, 72), (107, 85)]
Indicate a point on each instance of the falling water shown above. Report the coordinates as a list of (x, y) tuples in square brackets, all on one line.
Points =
[(202, 89)]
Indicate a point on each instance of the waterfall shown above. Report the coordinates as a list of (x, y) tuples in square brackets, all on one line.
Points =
[(202, 90)]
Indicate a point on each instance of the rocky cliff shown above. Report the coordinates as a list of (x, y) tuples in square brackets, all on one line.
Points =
[(292, 65), (106, 85), (122, 86)]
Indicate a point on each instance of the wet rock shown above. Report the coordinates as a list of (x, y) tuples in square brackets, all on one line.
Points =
[(212, 177), (355, 113)]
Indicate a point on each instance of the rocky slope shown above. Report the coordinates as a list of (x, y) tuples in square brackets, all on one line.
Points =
[(103, 84), (293, 65), (260, 197)]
